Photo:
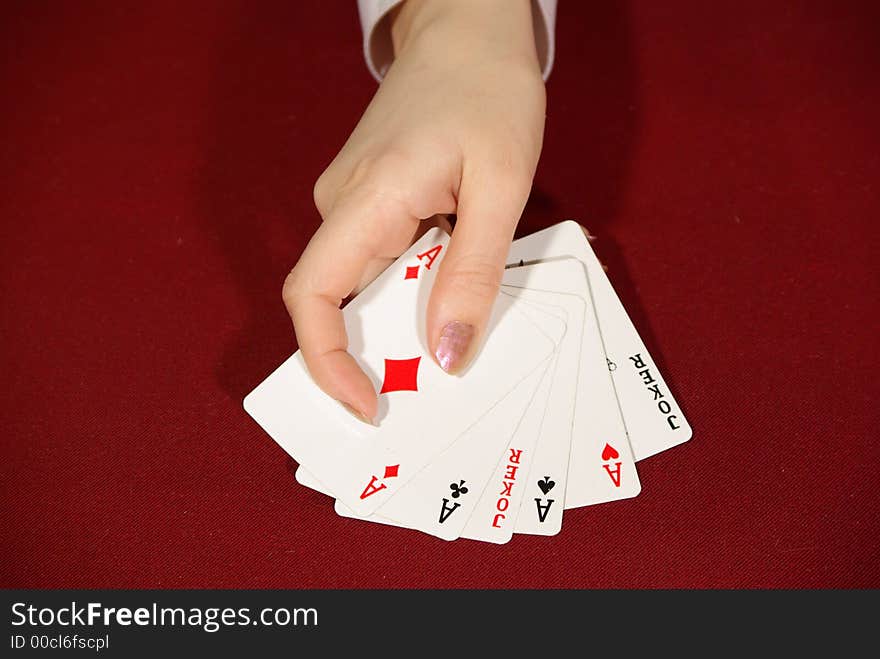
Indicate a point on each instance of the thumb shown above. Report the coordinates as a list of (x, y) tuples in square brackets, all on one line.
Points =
[(470, 274)]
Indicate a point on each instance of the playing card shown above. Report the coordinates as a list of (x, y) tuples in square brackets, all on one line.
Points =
[(580, 446), (303, 477), (497, 513), (494, 515), (471, 457), (551, 453), (600, 466), (363, 465), (417, 449), (654, 422), (440, 498)]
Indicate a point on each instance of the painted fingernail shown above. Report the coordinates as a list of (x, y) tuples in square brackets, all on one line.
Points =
[(589, 236), (357, 414), (455, 337)]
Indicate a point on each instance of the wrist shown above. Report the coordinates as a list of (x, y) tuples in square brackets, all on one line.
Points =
[(452, 28)]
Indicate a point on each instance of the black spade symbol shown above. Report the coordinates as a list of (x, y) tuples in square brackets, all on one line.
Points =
[(546, 484)]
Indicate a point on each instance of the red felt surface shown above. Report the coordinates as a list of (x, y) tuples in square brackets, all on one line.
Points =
[(155, 186)]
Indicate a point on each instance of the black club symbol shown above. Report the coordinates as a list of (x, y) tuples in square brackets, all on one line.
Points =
[(458, 489)]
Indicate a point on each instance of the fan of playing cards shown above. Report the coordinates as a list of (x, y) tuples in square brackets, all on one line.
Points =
[(552, 414)]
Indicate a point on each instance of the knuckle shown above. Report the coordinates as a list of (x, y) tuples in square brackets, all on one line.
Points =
[(382, 170), (377, 186), (474, 278), (321, 193), (291, 289)]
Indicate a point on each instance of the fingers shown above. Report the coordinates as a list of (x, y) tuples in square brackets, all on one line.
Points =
[(490, 204), (328, 271), (589, 236)]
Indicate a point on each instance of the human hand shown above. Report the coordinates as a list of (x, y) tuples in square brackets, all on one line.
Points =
[(456, 126)]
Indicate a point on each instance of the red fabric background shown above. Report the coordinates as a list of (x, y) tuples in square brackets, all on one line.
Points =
[(156, 169)]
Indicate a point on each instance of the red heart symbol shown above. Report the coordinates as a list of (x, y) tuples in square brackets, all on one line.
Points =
[(609, 453)]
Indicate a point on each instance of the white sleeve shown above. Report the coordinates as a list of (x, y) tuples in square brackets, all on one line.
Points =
[(377, 33)]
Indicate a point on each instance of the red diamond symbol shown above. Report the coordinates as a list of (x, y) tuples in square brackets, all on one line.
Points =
[(401, 375), (391, 472), (412, 272)]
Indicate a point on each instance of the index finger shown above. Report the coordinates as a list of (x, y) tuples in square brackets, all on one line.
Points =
[(328, 271)]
